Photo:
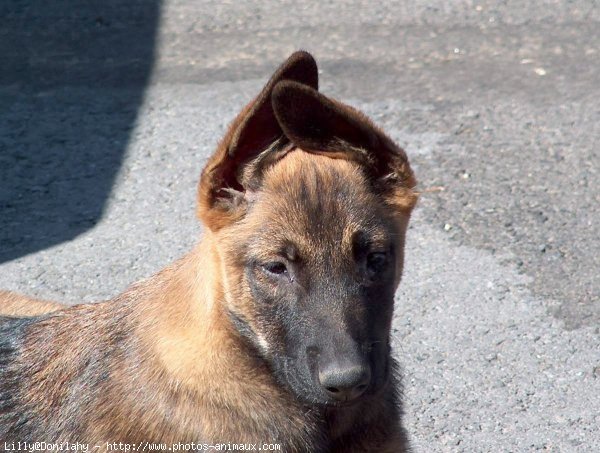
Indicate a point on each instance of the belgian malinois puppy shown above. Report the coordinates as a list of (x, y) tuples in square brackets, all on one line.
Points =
[(275, 329)]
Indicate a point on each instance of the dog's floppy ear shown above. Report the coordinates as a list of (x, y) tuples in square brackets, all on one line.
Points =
[(318, 124), (253, 131)]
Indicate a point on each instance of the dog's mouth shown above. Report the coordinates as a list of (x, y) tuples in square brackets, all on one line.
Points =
[(335, 404)]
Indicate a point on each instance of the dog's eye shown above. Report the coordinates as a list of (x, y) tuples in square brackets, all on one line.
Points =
[(376, 262), (275, 268)]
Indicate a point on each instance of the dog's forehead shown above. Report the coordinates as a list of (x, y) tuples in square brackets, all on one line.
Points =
[(313, 199)]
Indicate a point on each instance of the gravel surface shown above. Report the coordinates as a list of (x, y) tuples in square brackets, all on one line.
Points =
[(497, 105)]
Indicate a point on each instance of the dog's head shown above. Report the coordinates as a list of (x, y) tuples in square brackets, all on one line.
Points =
[(309, 203)]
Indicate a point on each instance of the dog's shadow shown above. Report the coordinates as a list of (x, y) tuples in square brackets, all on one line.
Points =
[(72, 80)]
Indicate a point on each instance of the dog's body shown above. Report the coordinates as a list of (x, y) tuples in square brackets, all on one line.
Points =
[(275, 329), (19, 305)]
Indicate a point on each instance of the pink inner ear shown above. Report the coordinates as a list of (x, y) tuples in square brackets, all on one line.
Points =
[(251, 133), (257, 128)]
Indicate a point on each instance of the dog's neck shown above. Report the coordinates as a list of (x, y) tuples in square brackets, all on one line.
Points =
[(192, 341), (188, 324)]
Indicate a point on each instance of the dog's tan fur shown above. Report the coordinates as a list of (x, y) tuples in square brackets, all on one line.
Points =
[(162, 362), (13, 304)]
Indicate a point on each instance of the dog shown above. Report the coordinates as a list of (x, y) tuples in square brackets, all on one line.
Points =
[(274, 329)]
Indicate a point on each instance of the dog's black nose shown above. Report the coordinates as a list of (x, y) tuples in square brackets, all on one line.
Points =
[(345, 382)]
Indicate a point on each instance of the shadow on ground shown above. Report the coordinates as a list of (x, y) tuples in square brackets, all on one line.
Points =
[(73, 77)]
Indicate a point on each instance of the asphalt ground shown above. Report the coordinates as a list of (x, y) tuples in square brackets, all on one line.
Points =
[(497, 106)]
